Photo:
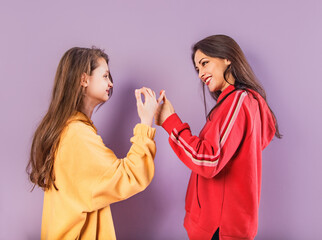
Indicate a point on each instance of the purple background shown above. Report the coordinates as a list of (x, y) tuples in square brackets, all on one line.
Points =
[(149, 44)]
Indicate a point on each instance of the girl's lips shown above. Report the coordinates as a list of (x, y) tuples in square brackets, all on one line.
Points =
[(109, 91)]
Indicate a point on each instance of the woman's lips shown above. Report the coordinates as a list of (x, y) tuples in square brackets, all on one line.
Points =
[(207, 80)]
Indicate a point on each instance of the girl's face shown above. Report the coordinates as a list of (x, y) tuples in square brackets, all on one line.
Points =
[(211, 71), (98, 84)]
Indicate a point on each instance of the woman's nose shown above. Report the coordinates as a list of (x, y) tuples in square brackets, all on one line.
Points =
[(201, 75), (110, 84)]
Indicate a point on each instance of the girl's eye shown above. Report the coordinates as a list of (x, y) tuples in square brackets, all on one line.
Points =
[(105, 76)]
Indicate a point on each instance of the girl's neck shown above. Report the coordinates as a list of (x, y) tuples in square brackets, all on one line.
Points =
[(87, 112), (88, 108)]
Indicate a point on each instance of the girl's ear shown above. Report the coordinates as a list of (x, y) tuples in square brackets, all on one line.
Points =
[(84, 80)]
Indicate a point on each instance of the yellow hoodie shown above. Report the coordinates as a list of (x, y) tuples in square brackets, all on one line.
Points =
[(89, 177)]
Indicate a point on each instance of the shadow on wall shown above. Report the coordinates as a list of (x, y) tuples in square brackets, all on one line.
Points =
[(122, 120), (133, 218)]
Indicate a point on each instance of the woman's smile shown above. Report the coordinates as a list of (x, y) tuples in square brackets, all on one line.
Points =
[(207, 80)]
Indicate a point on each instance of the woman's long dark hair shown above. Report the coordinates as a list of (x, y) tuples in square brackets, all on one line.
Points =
[(67, 98), (224, 47)]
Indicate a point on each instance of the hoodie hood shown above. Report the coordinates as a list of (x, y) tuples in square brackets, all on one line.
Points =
[(267, 119)]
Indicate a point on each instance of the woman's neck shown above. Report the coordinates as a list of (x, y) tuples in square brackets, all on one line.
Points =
[(230, 81)]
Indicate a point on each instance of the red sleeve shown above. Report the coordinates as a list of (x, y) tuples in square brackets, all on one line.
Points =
[(206, 156)]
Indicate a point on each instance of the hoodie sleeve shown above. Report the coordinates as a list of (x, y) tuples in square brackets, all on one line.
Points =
[(94, 176), (223, 135)]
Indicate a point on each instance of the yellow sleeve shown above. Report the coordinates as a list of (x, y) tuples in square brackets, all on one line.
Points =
[(92, 173)]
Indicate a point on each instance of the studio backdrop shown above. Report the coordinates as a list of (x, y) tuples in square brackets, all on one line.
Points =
[(149, 44)]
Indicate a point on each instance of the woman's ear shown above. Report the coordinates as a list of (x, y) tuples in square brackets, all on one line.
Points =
[(227, 62), (84, 80)]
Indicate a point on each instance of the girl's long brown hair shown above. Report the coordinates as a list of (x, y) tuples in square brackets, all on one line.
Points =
[(224, 47), (66, 99)]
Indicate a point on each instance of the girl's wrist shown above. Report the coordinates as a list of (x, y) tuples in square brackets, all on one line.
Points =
[(146, 122)]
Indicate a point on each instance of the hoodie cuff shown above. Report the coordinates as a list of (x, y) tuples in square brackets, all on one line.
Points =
[(144, 130), (171, 122)]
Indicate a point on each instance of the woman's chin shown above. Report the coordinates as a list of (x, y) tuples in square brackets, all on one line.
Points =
[(211, 89)]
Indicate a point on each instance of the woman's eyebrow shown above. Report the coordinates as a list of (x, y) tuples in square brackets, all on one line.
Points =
[(201, 60)]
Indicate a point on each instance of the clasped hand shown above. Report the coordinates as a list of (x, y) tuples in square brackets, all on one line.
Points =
[(160, 109)]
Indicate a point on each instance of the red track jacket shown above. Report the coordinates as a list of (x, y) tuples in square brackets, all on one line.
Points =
[(224, 187)]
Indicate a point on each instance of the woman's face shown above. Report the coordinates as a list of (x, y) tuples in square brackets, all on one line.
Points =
[(211, 71), (98, 84)]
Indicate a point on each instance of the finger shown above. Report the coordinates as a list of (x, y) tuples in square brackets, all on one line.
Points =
[(149, 91), (162, 96), (145, 94), (148, 95), (138, 97), (141, 90), (154, 96), (165, 97)]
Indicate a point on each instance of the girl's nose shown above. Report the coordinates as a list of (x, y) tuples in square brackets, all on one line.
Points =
[(110, 84)]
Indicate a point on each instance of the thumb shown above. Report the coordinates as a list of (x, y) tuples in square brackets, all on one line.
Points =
[(138, 97), (162, 96)]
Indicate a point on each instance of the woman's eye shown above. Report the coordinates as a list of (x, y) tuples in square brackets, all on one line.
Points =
[(105, 76), (204, 63)]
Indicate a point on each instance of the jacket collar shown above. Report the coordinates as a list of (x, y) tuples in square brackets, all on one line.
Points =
[(225, 92)]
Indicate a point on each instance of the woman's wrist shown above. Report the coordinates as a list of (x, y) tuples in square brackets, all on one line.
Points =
[(166, 117), (171, 122)]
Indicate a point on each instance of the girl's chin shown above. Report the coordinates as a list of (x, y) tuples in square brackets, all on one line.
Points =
[(106, 97)]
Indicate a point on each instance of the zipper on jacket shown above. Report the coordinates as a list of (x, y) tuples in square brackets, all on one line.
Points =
[(197, 190)]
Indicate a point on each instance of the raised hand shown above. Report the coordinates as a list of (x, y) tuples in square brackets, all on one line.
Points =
[(164, 110), (148, 108)]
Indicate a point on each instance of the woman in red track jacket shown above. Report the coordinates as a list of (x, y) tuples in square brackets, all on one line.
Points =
[(223, 195)]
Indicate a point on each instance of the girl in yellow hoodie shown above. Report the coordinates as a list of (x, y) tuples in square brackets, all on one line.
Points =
[(80, 176)]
